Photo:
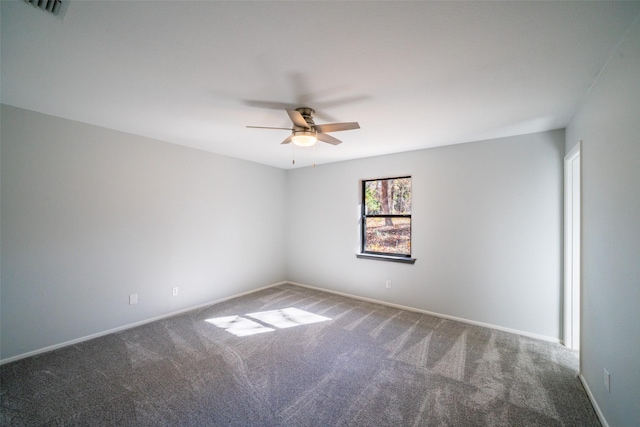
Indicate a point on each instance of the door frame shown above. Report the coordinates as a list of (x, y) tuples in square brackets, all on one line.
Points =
[(572, 215)]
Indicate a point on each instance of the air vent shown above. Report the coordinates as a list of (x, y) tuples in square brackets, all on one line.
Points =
[(51, 6)]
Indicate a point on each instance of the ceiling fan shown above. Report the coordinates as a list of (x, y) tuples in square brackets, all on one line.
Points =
[(306, 133)]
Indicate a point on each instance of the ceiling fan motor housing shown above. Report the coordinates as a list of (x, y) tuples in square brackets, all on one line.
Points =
[(308, 114)]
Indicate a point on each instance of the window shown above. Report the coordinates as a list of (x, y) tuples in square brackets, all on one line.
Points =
[(386, 217)]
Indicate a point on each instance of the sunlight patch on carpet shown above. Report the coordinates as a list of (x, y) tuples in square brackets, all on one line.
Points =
[(281, 319), (239, 326), (288, 317)]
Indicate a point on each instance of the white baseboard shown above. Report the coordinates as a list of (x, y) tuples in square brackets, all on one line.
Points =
[(129, 326), (599, 413), (431, 313)]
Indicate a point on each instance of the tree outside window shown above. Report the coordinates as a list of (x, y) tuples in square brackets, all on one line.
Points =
[(386, 216)]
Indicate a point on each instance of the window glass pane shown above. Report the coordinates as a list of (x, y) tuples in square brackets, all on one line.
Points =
[(388, 235), (388, 196)]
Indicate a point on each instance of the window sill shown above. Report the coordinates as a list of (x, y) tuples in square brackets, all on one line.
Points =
[(403, 260)]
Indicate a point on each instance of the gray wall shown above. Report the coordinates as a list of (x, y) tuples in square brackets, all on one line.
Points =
[(608, 123), (487, 231), (91, 215)]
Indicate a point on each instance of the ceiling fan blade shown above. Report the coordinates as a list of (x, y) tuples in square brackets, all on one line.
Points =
[(270, 104), (325, 117), (297, 118), (336, 127), (328, 139), (288, 140), (341, 101), (267, 127)]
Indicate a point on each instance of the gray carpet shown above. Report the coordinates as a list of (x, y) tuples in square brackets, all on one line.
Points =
[(370, 365)]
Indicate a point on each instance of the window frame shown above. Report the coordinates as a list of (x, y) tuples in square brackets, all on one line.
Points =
[(386, 256)]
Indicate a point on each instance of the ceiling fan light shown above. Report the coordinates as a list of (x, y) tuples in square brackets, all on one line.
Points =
[(304, 139)]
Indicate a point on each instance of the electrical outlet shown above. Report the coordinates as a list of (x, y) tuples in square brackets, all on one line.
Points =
[(607, 381), (176, 290), (388, 284), (133, 299)]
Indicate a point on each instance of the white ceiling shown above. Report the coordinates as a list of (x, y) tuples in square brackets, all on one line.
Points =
[(413, 74)]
